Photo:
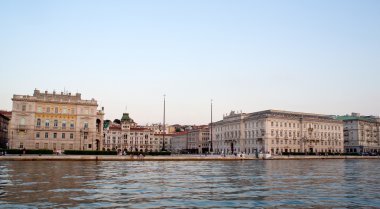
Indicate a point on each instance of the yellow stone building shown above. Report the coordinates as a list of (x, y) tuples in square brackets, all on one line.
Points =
[(55, 122)]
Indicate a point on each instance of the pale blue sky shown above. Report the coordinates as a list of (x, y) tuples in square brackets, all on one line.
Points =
[(311, 56)]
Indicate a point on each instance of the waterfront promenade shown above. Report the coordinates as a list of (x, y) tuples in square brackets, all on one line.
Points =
[(168, 158)]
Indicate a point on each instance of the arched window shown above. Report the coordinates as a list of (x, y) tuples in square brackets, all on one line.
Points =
[(38, 122)]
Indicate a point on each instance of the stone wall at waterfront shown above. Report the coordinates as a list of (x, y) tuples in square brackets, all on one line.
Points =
[(166, 158)]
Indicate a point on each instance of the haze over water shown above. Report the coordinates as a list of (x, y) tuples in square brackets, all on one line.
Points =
[(239, 184)]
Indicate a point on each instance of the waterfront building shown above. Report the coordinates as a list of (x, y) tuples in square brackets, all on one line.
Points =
[(361, 133), (276, 132), (198, 140), (159, 140), (113, 137), (157, 128), (128, 136), (54, 121), (4, 122), (178, 142)]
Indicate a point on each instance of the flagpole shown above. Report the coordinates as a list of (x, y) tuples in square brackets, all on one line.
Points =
[(164, 128)]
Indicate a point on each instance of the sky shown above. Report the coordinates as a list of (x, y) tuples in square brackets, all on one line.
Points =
[(306, 56)]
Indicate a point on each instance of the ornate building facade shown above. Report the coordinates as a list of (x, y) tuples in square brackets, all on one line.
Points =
[(361, 133), (198, 140), (128, 136), (55, 122), (4, 122), (277, 132)]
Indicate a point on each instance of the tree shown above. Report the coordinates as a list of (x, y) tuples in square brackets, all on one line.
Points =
[(117, 121)]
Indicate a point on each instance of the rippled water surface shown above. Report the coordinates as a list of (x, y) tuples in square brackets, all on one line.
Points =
[(238, 184)]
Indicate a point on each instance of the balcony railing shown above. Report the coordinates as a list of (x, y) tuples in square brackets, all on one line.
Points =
[(22, 127), (85, 129)]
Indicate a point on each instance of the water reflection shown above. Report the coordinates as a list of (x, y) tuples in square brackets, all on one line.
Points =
[(240, 184)]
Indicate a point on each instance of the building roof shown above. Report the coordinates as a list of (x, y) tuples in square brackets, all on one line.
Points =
[(361, 118), (126, 118), (160, 134), (139, 129), (5, 117), (181, 133), (114, 127), (63, 97), (7, 114)]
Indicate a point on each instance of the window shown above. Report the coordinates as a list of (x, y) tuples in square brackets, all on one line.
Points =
[(39, 109), (46, 146), (21, 145), (71, 146), (64, 124), (47, 123), (46, 135), (62, 147), (71, 136), (38, 135), (54, 135), (63, 135), (22, 121), (23, 107), (55, 123), (64, 110), (48, 109), (37, 146), (85, 124), (56, 110), (38, 122), (72, 125)]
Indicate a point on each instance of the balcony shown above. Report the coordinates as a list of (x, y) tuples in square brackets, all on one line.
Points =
[(85, 129), (22, 127)]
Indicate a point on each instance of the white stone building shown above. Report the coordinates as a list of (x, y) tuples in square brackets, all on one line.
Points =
[(55, 122), (198, 140), (277, 132), (159, 138), (361, 133)]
